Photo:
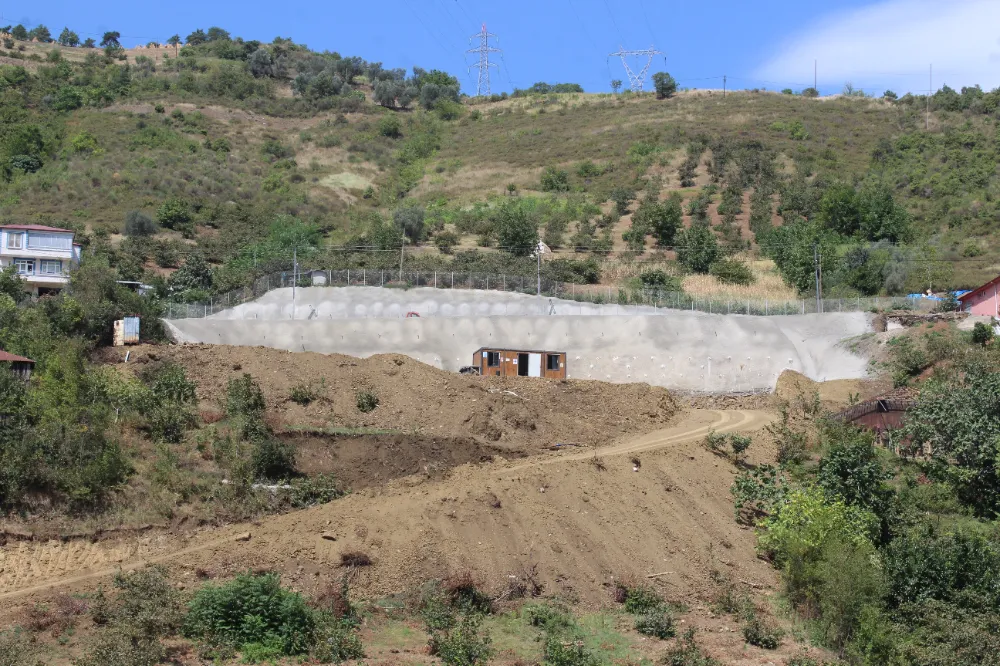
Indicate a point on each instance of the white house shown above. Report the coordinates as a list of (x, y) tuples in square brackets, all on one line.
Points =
[(42, 255)]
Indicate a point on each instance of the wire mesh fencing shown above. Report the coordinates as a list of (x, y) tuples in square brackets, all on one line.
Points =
[(626, 300)]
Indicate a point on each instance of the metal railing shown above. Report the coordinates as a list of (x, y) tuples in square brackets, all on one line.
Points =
[(623, 297)]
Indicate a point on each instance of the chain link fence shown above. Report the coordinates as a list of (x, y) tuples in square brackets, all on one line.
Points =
[(533, 285)]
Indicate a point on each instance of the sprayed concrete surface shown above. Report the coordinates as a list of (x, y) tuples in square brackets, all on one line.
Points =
[(686, 351)]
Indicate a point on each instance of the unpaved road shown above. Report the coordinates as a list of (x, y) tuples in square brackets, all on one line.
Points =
[(405, 526)]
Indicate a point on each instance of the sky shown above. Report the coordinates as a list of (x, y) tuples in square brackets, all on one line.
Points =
[(773, 44)]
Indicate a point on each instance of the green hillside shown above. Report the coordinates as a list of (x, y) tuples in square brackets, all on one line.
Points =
[(239, 153)]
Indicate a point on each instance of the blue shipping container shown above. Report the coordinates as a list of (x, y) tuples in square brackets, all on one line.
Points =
[(131, 330)]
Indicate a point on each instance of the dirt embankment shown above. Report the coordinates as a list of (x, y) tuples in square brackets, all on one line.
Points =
[(514, 414)]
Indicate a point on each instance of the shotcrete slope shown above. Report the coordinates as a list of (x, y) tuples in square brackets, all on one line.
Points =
[(688, 351)]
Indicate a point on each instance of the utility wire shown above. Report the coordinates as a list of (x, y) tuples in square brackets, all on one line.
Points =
[(648, 24), (583, 27), (613, 22)]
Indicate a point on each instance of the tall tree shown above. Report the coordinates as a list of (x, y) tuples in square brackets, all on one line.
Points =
[(19, 32), (111, 39), (516, 231), (41, 33), (697, 248), (174, 41), (616, 85), (69, 38), (216, 34), (89, 43), (664, 84), (197, 37)]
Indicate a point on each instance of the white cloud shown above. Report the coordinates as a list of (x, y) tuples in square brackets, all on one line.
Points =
[(891, 44)]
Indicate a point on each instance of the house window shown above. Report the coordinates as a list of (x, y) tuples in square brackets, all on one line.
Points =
[(493, 359), (47, 241), (15, 241), (50, 267), (25, 266), (552, 362)]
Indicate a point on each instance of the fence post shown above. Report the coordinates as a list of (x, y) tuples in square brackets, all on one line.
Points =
[(435, 279), (766, 308), (453, 279), (382, 279)]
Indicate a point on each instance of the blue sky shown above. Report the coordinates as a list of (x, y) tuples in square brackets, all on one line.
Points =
[(762, 43)]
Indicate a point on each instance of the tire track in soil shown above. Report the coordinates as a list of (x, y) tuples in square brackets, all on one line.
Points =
[(26, 562)]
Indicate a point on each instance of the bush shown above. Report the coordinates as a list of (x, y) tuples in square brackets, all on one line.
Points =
[(159, 108), (273, 150), (272, 460), (660, 279), (138, 223), (659, 624), (173, 213), (554, 180), (982, 333), (641, 600), (244, 398), (664, 84), (366, 401), (445, 241), (686, 652), (337, 641), (762, 634), (303, 394), (389, 126), (697, 248), (622, 197), (729, 271), (252, 609), (463, 644), (559, 652)]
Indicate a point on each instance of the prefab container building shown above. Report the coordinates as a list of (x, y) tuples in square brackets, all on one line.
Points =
[(520, 363)]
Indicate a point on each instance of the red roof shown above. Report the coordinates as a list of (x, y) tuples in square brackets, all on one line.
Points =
[(33, 227), (11, 358), (975, 291)]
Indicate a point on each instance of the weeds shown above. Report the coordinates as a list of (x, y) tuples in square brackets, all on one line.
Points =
[(658, 624), (686, 652), (464, 644), (355, 559), (303, 394), (366, 401)]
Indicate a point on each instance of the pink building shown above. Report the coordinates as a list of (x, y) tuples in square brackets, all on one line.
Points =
[(983, 300)]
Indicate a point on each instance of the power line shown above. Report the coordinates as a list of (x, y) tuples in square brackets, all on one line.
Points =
[(613, 22), (649, 26), (636, 79), (583, 27)]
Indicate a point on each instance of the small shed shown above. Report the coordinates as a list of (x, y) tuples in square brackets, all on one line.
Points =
[(126, 331), (496, 362), (317, 278), (19, 365), (983, 300)]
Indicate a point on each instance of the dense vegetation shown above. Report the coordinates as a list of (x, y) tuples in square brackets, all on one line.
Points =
[(893, 559)]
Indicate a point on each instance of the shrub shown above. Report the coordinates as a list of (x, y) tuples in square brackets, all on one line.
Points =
[(337, 641), (622, 197), (729, 271), (272, 460), (686, 652), (697, 248), (547, 617), (659, 624), (463, 644), (465, 595), (641, 600), (762, 634), (159, 108), (273, 150), (410, 220), (559, 652), (138, 223), (244, 398), (366, 401), (982, 333), (554, 180), (303, 394), (354, 558), (173, 213), (445, 241), (389, 126), (252, 609), (664, 84), (84, 142), (659, 279)]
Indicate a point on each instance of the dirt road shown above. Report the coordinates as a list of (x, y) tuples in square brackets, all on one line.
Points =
[(577, 521)]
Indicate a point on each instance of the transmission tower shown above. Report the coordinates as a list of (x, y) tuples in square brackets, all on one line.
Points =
[(484, 50), (636, 80)]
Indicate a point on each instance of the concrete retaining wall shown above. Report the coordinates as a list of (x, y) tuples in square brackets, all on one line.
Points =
[(678, 350)]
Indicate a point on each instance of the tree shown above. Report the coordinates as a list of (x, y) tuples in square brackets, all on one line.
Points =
[(174, 41), (664, 84), (261, 64), (20, 33), (216, 34), (410, 220), (138, 223), (69, 38), (516, 231), (41, 33), (882, 218), (697, 248), (195, 38), (810, 92), (622, 196), (616, 85), (554, 180), (432, 93), (838, 209), (660, 219), (173, 213), (194, 275), (390, 127), (89, 43), (890, 96), (111, 39)]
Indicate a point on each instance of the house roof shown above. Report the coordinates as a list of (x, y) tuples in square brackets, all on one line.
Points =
[(11, 358), (33, 227), (517, 351), (977, 290)]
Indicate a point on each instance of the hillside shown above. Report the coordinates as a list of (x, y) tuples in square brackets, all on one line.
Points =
[(237, 158)]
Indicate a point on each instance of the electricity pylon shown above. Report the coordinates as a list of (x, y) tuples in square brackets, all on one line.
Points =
[(484, 50), (636, 80)]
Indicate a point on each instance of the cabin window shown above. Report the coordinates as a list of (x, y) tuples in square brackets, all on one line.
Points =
[(493, 359), (15, 241), (552, 363)]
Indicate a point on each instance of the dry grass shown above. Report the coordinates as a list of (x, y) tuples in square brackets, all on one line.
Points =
[(768, 285)]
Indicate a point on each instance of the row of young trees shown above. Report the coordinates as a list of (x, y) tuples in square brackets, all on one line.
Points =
[(67, 37)]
